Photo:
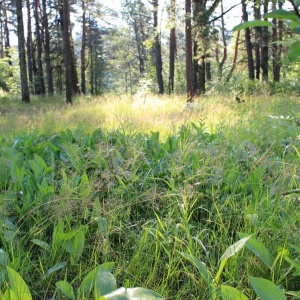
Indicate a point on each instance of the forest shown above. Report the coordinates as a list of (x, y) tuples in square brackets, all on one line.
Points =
[(149, 149)]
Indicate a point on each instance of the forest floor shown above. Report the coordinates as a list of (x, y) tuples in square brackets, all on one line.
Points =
[(192, 202)]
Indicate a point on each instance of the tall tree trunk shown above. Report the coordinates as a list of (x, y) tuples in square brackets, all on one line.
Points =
[(236, 49), (221, 64), (67, 49), (22, 58), (172, 49), (6, 32), (248, 42), (188, 52), (157, 47), (257, 35), (265, 47), (47, 50), (29, 46), (277, 35), (39, 48), (83, 42)]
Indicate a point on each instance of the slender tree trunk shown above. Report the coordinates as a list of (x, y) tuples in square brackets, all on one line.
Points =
[(83, 42), (39, 49), (172, 46), (248, 42), (236, 49), (265, 47), (29, 46), (47, 50), (277, 35), (67, 49), (157, 47), (6, 32), (221, 64), (257, 35), (188, 52), (22, 57)]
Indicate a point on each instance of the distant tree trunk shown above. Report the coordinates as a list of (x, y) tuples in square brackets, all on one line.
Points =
[(157, 47), (22, 58), (277, 35), (67, 49), (47, 50), (6, 33), (257, 35), (265, 47), (39, 49), (248, 42), (236, 48), (172, 46), (29, 46), (221, 64), (83, 42), (188, 52)]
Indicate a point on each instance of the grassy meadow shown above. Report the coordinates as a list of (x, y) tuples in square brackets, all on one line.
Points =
[(197, 202)]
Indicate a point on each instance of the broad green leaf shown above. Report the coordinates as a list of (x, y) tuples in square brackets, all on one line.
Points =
[(203, 270), (259, 250), (235, 248), (77, 247), (105, 283), (255, 23), (56, 267), (66, 289), (296, 30), (294, 52), (88, 283), (283, 15), (231, 293), (18, 285), (133, 294), (42, 244), (230, 251), (266, 289)]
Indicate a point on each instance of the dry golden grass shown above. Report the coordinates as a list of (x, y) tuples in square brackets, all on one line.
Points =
[(143, 113)]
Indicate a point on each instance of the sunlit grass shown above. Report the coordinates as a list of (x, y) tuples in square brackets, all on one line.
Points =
[(146, 114)]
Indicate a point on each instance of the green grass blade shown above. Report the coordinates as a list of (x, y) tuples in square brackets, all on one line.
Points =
[(18, 285), (56, 267), (266, 289), (231, 293), (203, 270)]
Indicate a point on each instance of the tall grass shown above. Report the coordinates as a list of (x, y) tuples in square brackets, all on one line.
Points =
[(153, 186)]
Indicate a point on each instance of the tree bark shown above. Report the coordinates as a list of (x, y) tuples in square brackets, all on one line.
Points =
[(157, 47), (67, 49), (277, 35), (248, 42), (257, 35), (47, 50), (29, 46), (236, 49), (188, 52), (172, 49), (265, 47), (41, 81), (83, 42), (22, 58)]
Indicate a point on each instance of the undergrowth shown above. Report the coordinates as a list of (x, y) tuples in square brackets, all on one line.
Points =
[(163, 207)]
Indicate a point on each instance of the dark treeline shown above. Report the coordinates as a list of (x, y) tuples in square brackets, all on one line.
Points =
[(73, 48)]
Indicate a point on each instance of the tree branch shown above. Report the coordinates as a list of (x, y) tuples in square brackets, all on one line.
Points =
[(221, 15), (296, 10)]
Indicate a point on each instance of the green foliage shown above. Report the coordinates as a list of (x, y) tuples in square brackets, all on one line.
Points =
[(201, 211)]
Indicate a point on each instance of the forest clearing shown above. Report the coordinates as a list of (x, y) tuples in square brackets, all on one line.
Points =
[(149, 149)]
